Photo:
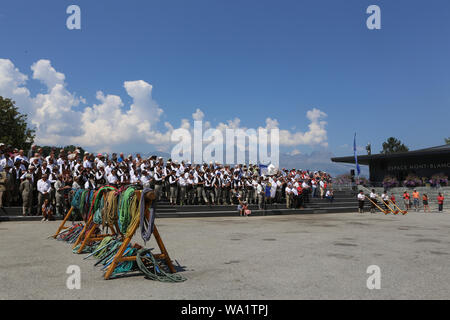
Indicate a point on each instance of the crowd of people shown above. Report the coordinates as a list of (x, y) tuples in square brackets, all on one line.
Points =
[(46, 182), (409, 200)]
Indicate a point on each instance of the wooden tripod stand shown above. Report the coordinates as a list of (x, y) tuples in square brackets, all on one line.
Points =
[(118, 258), (62, 225)]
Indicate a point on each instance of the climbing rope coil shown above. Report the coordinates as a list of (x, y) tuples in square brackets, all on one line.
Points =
[(123, 208)]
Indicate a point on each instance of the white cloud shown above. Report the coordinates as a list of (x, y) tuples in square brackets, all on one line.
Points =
[(109, 124), (316, 135), (294, 152), (12, 83), (43, 71)]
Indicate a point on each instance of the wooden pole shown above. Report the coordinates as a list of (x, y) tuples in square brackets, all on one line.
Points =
[(165, 254), (61, 226), (80, 236), (118, 258)]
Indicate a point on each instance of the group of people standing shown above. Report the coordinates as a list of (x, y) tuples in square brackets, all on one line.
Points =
[(386, 200), (38, 181)]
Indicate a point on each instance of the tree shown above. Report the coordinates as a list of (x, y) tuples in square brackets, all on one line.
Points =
[(393, 145), (14, 129), (447, 140), (47, 149)]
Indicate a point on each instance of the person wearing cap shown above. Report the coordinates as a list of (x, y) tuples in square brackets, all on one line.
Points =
[(26, 190)]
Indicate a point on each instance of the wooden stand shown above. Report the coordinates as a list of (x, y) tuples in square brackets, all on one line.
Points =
[(62, 225), (89, 236), (118, 258)]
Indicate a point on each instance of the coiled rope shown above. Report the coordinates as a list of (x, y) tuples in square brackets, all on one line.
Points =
[(147, 225), (109, 211), (124, 209), (147, 263)]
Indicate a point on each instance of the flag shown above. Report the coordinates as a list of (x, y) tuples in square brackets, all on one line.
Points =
[(358, 170), (263, 170)]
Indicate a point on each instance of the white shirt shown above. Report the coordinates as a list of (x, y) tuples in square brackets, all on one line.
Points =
[(182, 182), (145, 180), (44, 186), (361, 196), (112, 179), (100, 163), (86, 164)]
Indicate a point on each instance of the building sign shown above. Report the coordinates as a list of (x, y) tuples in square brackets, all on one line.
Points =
[(416, 166)]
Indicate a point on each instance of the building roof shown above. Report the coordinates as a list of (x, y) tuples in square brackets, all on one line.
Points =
[(365, 159)]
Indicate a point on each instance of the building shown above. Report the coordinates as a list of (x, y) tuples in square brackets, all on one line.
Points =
[(422, 163)]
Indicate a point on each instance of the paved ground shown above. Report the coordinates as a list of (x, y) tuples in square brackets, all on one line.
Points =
[(322, 256)]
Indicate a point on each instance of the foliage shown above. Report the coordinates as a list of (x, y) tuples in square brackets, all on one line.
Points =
[(14, 129), (47, 149), (393, 145), (439, 179), (390, 182), (412, 181), (347, 179)]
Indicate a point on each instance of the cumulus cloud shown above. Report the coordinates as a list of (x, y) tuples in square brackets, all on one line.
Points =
[(110, 125), (43, 71)]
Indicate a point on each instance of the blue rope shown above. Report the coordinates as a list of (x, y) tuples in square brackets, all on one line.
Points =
[(147, 225)]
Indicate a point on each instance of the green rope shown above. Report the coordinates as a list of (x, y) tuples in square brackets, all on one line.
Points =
[(83, 201), (98, 212), (124, 209), (147, 263), (126, 266)]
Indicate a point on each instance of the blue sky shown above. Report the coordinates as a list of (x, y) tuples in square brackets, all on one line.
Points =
[(252, 60)]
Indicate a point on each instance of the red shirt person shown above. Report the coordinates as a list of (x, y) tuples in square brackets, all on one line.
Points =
[(440, 200)]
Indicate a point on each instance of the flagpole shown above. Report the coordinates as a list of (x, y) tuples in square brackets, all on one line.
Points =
[(356, 160)]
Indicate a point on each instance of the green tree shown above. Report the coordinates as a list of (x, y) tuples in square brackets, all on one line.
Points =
[(393, 145), (47, 149), (447, 140), (14, 129)]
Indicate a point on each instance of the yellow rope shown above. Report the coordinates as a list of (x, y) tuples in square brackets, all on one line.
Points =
[(135, 215), (109, 211)]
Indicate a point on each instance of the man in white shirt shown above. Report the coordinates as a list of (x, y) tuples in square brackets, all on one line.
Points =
[(20, 156), (44, 188), (112, 178), (6, 161), (361, 198), (289, 195), (145, 179), (100, 162)]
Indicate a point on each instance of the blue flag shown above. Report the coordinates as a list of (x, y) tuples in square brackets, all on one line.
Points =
[(356, 157)]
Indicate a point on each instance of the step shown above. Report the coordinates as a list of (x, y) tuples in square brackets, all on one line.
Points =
[(23, 218)]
